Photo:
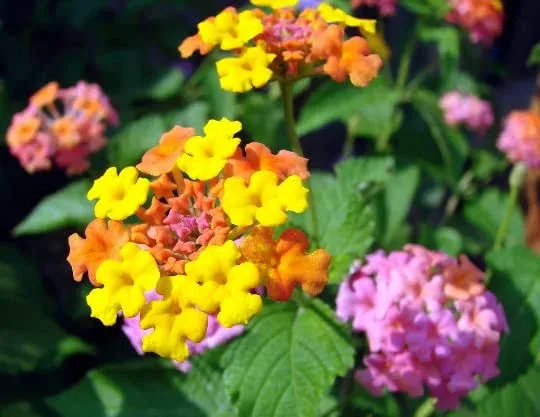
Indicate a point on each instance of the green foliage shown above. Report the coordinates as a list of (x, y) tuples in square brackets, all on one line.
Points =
[(289, 357), (427, 8), (447, 40), (167, 86), (515, 281), (142, 388), (65, 208), (534, 57)]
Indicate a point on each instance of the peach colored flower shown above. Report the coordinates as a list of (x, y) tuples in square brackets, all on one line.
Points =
[(45, 95)]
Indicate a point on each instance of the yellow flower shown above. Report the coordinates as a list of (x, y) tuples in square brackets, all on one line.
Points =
[(263, 200), (275, 4), (174, 319), (124, 284), (248, 70), (225, 285), (334, 15), (229, 29), (119, 196), (205, 156)]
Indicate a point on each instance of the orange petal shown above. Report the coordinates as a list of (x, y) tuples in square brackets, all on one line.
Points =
[(103, 241), (191, 45), (45, 95), (162, 158)]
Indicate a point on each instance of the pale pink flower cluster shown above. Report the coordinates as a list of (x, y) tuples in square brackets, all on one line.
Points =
[(483, 19), (216, 335), (428, 320), (386, 7), (520, 138), (467, 109), (61, 127)]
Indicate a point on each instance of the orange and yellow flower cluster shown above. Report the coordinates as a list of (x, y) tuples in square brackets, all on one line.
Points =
[(63, 126), (285, 44), (205, 242)]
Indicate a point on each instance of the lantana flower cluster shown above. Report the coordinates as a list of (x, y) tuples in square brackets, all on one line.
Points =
[(285, 44), (61, 126), (203, 240), (385, 7), (520, 138), (483, 19), (468, 110), (429, 322)]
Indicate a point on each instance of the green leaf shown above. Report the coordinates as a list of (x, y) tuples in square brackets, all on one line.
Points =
[(430, 8), (19, 409), (130, 143), (222, 103), (194, 115), (516, 284), (167, 86), (452, 144), (485, 164), (29, 340), (287, 360), (19, 278), (447, 40), (534, 57), (485, 212), (204, 385), (262, 118), (65, 208), (143, 388), (394, 203), (373, 107), (356, 173), (446, 239)]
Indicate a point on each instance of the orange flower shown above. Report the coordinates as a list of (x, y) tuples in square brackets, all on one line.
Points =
[(163, 187), (258, 157), (45, 95), (66, 132), (162, 158), (192, 44), (103, 241), (23, 130), (463, 280), (285, 263)]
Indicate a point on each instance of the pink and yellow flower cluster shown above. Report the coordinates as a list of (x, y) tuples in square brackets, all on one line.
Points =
[(200, 233), (285, 44), (468, 110), (429, 321), (61, 127), (520, 138)]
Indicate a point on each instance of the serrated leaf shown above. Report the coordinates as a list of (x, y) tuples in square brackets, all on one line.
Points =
[(65, 208), (534, 57), (516, 284), (143, 388), (130, 143), (29, 340), (353, 173), (373, 107), (485, 212), (287, 360), (194, 115)]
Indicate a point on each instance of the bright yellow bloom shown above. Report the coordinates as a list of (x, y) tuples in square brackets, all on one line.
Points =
[(334, 15), (119, 196), (263, 200), (275, 4), (205, 156), (174, 319), (124, 284), (229, 29), (248, 70), (225, 285)]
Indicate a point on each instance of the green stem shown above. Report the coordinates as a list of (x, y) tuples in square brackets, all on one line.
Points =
[(287, 98), (348, 146), (426, 409), (517, 177), (405, 64)]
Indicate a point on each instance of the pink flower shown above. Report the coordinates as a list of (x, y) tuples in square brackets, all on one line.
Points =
[(61, 126), (420, 333), (483, 19), (520, 139), (468, 110), (386, 7)]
